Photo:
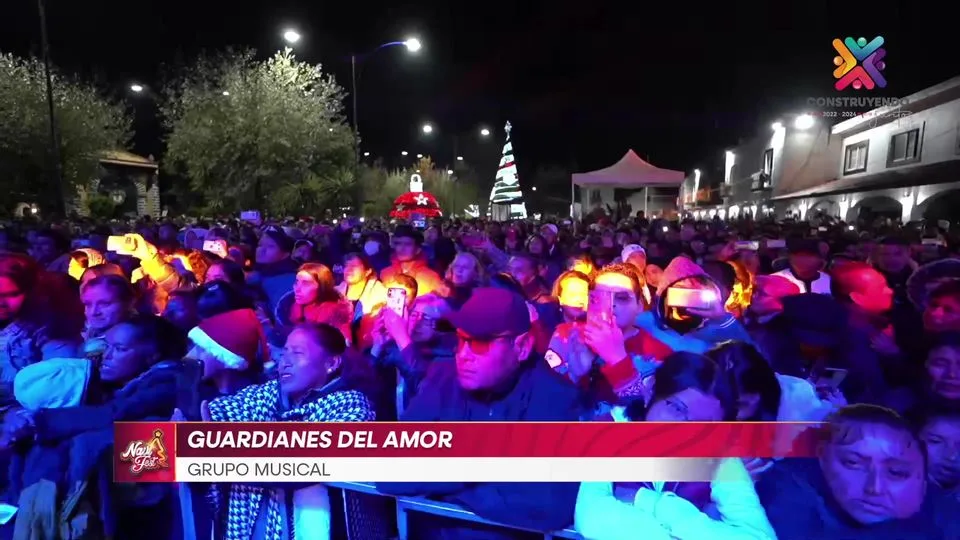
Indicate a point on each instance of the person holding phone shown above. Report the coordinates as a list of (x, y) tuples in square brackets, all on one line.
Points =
[(606, 355)]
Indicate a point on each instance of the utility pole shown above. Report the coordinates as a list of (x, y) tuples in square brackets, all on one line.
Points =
[(56, 175)]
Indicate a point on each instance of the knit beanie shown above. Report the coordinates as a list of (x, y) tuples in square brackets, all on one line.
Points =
[(283, 241), (234, 338)]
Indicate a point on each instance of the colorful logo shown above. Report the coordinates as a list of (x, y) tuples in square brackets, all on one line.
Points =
[(146, 455), (859, 63)]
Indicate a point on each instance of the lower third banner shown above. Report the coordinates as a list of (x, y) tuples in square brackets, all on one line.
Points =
[(460, 452)]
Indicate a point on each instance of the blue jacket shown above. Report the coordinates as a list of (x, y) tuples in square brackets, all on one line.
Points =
[(800, 507), (538, 395), (698, 341)]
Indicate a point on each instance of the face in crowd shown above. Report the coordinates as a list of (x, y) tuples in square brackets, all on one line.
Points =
[(942, 313), (686, 390), (311, 357), (573, 295), (128, 354), (488, 364), (106, 302), (626, 294), (355, 271), (941, 436), (464, 270), (892, 258), (943, 370), (11, 299), (405, 249), (874, 469), (268, 251), (523, 269)]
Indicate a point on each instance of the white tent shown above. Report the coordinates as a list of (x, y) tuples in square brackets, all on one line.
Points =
[(631, 172)]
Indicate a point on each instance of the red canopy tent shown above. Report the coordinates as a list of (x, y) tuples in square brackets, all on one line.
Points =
[(421, 203)]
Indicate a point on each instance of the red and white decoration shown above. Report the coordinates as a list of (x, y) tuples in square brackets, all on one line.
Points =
[(416, 202)]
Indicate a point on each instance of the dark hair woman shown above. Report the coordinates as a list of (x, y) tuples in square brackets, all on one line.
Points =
[(315, 384), (40, 318), (752, 378)]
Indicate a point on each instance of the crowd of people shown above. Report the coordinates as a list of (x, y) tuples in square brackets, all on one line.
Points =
[(601, 320)]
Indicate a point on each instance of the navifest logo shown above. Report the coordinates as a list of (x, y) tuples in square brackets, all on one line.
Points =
[(859, 63), (146, 456)]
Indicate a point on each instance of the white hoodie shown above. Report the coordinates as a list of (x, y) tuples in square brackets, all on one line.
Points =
[(656, 515)]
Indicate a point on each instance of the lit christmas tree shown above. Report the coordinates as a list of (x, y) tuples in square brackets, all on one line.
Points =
[(506, 198)]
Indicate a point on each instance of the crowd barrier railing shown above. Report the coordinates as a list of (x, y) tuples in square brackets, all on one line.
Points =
[(405, 505)]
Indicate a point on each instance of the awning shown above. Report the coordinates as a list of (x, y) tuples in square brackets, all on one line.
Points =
[(630, 172)]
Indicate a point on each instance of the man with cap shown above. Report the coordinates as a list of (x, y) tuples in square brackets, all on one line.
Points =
[(805, 267), (496, 377), (408, 259)]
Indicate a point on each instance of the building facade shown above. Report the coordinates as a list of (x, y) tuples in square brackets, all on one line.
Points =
[(898, 162)]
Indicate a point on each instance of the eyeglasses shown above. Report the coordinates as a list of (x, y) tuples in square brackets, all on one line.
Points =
[(480, 345)]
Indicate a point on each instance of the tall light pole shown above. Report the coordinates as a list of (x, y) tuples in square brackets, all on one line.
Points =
[(412, 44), (57, 177), (428, 129)]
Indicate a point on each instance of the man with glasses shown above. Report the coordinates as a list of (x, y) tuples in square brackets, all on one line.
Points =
[(495, 377)]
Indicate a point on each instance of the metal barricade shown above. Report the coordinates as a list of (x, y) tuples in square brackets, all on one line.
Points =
[(361, 494)]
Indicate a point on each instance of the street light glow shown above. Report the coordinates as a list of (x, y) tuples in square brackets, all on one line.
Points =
[(419, 156), (413, 44), (534, 188), (366, 154), (427, 128), (403, 153), (226, 93), (291, 36), (449, 171), (484, 132), (459, 158), (804, 121), (136, 88), (777, 126)]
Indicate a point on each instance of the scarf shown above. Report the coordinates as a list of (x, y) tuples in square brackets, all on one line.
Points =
[(262, 403)]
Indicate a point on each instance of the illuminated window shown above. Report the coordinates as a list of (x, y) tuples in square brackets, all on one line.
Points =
[(904, 147), (855, 157), (767, 167)]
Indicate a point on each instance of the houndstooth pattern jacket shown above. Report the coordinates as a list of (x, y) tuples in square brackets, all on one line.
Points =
[(262, 403)]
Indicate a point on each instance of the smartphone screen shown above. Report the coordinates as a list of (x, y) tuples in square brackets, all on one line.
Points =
[(397, 300), (690, 298), (600, 306), (831, 378)]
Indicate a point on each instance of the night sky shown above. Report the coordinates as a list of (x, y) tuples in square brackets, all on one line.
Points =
[(581, 81)]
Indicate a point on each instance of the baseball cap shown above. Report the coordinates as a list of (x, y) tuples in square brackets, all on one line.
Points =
[(492, 312), (804, 245)]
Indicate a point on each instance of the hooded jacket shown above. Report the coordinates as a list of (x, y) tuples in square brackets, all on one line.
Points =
[(428, 281), (700, 339)]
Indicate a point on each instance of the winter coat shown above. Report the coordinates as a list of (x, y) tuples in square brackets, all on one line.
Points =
[(428, 281), (539, 395)]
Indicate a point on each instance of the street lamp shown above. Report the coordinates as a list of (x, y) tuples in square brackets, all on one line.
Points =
[(450, 172), (804, 121), (413, 44), (459, 158), (136, 88), (427, 128), (419, 156), (291, 36), (225, 93), (403, 153), (484, 132), (366, 154)]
